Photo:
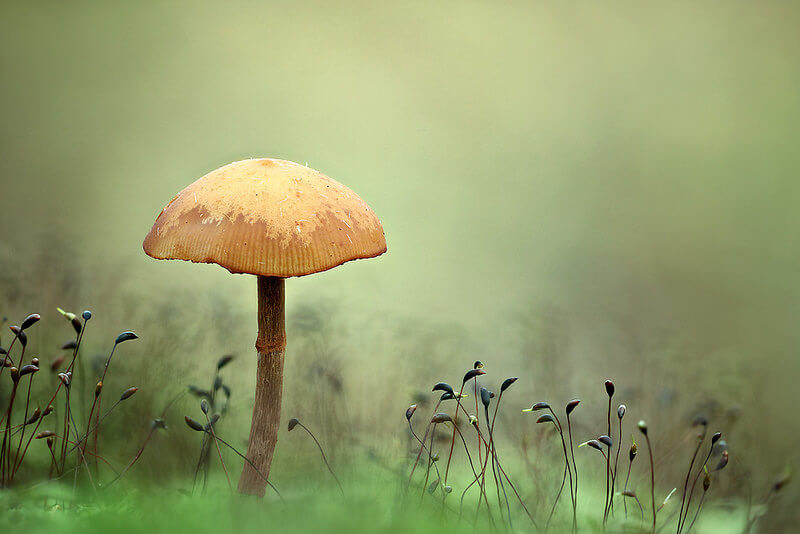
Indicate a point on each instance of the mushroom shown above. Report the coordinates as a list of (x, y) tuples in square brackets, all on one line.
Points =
[(274, 219)]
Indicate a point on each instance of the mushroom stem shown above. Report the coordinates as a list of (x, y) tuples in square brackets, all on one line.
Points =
[(271, 346)]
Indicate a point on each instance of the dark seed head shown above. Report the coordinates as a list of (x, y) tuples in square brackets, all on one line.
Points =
[(593, 443), (15, 329), (225, 360), (194, 425), (23, 338), (14, 374), (226, 390), (28, 369), (86, 315), (545, 418), (35, 361), (217, 383), (629, 493), (443, 386), (706, 482), (76, 325), (293, 422), (50, 441), (410, 411), (715, 437), (30, 320), (98, 389), (621, 411), (610, 388), (472, 373), (486, 397), (48, 410), (45, 434), (571, 405), (441, 417), (125, 336), (634, 450), (722, 461), (34, 416), (204, 406), (507, 383), (69, 345), (478, 365), (606, 440), (3, 351), (128, 393)]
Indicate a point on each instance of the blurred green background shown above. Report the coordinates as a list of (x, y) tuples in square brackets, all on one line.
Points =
[(570, 192)]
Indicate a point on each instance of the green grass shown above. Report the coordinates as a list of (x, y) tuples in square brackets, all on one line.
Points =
[(373, 503)]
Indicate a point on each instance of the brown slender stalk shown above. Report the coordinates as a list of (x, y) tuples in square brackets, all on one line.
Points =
[(477, 414), (219, 452), (686, 481), (271, 347), (700, 471), (97, 397), (424, 437), (652, 480), (627, 478), (493, 451), (430, 461), (5, 454), (575, 468), (608, 469), (478, 479), (436, 467), (325, 458), (153, 428), (615, 472), (453, 442), (567, 468), (422, 445), (24, 420), (154, 425)]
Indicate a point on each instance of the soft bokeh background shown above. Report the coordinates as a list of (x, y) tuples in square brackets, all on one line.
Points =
[(569, 193)]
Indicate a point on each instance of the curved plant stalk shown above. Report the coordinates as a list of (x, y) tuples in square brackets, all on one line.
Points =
[(325, 458), (686, 482), (424, 437)]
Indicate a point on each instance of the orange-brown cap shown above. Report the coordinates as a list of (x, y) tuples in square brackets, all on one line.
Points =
[(267, 217)]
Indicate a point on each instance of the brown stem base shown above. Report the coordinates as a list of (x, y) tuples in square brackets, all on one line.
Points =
[(271, 344)]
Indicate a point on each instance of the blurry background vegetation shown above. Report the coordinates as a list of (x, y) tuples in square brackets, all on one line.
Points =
[(569, 193)]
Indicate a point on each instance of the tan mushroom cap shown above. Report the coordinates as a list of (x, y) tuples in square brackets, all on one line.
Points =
[(267, 217)]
